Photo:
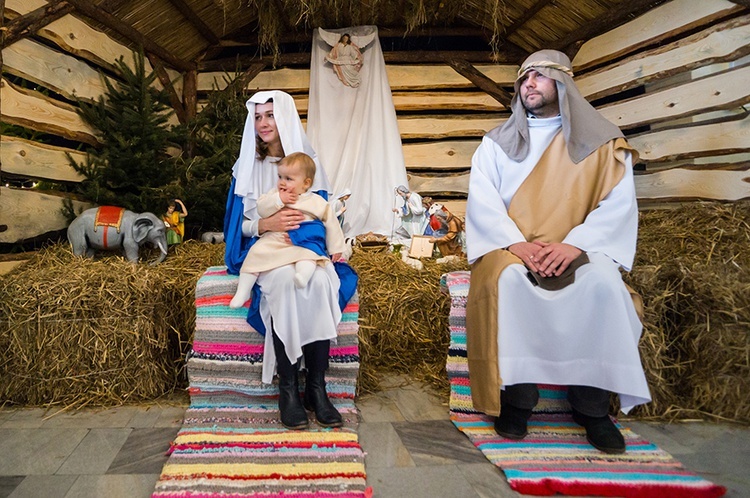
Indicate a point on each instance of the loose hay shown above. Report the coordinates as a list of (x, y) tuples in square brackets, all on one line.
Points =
[(77, 332)]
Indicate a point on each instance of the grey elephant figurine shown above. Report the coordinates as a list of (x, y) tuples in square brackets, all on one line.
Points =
[(110, 227)]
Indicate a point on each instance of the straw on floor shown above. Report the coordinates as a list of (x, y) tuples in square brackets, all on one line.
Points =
[(555, 457), (231, 443)]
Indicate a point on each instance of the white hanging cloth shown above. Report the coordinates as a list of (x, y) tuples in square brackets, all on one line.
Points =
[(354, 129)]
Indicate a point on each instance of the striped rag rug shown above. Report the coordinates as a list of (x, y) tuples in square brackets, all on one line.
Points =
[(555, 457), (232, 443)]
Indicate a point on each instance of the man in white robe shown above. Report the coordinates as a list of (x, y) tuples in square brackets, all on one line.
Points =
[(552, 206)]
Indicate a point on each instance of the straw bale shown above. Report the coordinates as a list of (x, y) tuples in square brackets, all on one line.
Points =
[(403, 325), (693, 270), (77, 332)]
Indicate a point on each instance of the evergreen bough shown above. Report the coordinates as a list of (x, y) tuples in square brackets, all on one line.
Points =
[(131, 168)]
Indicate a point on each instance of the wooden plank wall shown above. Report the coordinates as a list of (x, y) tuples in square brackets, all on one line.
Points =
[(65, 59), (674, 79)]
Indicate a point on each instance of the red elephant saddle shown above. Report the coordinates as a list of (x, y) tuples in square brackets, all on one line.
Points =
[(109, 216)]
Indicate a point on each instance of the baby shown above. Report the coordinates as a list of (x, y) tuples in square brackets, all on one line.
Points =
[(273, 249)]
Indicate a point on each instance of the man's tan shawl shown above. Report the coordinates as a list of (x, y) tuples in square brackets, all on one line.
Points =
[(556, 197)]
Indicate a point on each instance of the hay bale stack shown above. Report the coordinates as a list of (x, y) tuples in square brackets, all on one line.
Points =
[(403, 325), (77, 332), (693, 270)]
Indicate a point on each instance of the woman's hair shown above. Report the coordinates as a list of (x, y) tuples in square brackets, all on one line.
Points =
[(348, 38), (302, 161)]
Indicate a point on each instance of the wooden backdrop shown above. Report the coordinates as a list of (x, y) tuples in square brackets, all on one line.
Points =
[(675, 80)]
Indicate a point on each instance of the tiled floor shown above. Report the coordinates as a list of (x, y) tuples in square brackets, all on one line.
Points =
[(412, 449)]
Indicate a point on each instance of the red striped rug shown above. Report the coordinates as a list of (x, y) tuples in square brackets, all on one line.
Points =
[(555, 457), (231, 443)]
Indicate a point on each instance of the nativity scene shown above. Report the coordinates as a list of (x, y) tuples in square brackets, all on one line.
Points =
[(481, 238)]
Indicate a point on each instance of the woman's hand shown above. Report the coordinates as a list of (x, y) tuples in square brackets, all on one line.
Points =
[(283, 220), (335, 256)]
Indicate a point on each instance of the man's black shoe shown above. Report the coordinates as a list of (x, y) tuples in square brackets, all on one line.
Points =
[(601, 433), (512, 422)]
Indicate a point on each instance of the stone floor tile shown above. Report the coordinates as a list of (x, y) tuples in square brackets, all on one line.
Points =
[(90, 418), (382, 446), (36, 451), (144, 452), (171, 416), (8, 484), (114, 486), (378, 408), (26, 418), (426, 482), (6, 414), (669, 437), (145, 417), (45, 486), (729, 469), (437, 442), (416, 403), (487, 480), (96, 452)]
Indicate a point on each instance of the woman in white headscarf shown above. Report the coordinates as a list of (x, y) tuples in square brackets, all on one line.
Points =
[(301, 322)]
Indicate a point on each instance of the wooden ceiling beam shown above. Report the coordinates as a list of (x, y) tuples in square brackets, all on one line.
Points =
[(112, 5), (244, 36), (32, 22), (196, 21), (484, 83), (606, 22), (101, 16), (399, 57)]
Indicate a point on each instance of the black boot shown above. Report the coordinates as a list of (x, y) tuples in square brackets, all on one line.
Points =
[(512, 422), (292, 413), (601, 433), (316, 399)]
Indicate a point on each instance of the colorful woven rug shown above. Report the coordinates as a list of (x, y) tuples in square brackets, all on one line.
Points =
[(231, 443), (555, 457)]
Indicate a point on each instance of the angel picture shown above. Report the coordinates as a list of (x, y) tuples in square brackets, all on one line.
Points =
[(345, 56)]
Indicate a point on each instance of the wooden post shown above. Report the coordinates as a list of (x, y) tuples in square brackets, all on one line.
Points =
[(174, 99), (190, 94)]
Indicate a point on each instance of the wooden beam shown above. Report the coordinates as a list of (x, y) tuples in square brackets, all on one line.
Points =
[(190, 95), (472, 74), (112, 5), (395, 57), (30, 23), (744, 3), (128, 31), (244, 36), (196, 21), (166, 82), (605, 22), (525, 17)]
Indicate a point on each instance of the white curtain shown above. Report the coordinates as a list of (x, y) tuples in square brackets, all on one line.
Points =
[(355, 133)]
